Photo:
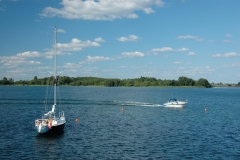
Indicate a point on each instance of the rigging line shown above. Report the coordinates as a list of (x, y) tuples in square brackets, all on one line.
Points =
[(47, 97), (48, 90)]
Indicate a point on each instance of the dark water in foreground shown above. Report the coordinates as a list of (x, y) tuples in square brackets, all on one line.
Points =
[(144, 130)]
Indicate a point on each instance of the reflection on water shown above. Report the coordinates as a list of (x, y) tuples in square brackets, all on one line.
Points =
[(47, 145)]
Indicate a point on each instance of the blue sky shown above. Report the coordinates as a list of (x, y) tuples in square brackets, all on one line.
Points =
[(122, 39)]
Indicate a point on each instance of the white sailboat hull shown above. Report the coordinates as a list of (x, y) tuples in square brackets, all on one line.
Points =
[(42, 128), (56, 127)]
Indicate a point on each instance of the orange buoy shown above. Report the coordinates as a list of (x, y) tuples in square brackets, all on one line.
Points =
[(76, 120)]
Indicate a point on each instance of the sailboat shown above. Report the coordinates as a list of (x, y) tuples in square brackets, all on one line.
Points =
[(50, 121)]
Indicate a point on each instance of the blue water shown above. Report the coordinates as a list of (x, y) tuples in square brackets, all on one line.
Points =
[(143, 130)]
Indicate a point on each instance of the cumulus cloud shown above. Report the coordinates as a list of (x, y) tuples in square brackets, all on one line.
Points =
[(101, 9), (14, 61), (2, 7), (27, 58), (99, 39), (228, 35), (163, 49), (29, 54), (76, 45), (132, 38), (71, 65), (132, 54), (177, 62), (229, 54), (19, 60), (91, 59), (211, 41), (191, 54), (190, 37), (169, 49), (34, 62), (61, 31), (182, 49), (228, 41)]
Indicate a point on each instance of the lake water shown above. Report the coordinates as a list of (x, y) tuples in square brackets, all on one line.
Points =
[(143, 130)]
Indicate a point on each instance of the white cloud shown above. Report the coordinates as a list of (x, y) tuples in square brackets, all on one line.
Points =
[(71, 65), (177, 62), (76, 45), (99, 39), (148, 10), (132, 54), (211, 41), (169, 49), (229, 54), (2, 7), (11, 61), (15, 61), (217, 55), (101, 9), (182, 49), (91, 59), (228, 35), (34, 62), (180, 71), (61, 31), (163, 49), (132, 38), (29, 54), (190, 37), (191, 54), (27, 60), (227, 41)]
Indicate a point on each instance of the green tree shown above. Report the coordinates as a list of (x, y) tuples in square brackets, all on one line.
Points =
[(184, 81), (203, 82), (4, 81)]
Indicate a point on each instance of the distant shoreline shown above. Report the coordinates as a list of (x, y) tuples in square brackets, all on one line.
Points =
[(112, 82), (218, 86)]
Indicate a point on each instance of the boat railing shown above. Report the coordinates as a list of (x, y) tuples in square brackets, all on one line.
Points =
[(61, 114)]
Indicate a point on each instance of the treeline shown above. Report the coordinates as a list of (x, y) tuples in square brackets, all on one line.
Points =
[(94, 81)]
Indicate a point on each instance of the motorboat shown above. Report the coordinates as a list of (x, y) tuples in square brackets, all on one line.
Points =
[(173, 102)]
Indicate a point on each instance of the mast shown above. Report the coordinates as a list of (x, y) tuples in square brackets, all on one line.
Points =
[(55, 65)]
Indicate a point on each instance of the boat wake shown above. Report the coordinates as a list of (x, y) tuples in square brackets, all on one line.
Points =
[(131, 103), (81, 102)]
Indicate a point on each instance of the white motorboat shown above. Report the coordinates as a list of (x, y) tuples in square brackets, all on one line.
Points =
[(173, 102), (51, 123)]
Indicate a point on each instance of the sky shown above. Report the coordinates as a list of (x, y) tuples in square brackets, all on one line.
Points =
[(165, 39)]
